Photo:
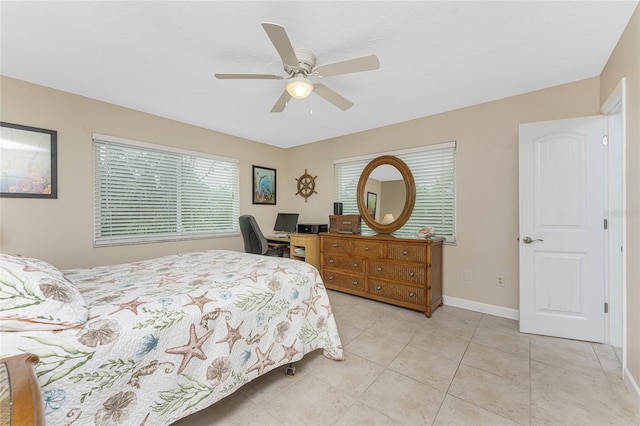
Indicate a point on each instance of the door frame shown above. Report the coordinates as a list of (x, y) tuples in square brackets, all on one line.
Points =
[(616, 283)]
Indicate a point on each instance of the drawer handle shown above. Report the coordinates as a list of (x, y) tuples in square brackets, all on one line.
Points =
[(428, 265), (355, 283), (412, 294), (366, 248), (379, 288), (411, 274), (335, 245), (404, 252), (330, 277), (330, 260), (355, 265), (379, 268)]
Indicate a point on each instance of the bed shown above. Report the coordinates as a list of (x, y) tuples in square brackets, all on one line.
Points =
[(153, 341)]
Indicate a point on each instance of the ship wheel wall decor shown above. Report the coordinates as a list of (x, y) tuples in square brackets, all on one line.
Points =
[(306, 185)]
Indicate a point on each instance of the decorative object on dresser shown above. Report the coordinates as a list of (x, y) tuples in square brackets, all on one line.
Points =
[(344, 224), (427, 232), (402, 271)]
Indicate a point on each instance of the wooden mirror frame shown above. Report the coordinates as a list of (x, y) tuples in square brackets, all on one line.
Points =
[(409, 202)]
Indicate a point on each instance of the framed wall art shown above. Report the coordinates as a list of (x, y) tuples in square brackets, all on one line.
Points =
[(28, 162), (372, 202), (264, 185)]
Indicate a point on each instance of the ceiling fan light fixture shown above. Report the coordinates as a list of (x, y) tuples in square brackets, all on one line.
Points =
[(299, 87)]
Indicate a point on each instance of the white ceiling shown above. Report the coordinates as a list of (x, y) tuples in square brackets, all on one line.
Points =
[(160, 57)]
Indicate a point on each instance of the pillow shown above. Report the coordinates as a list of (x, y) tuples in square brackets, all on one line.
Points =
[(34, 295)]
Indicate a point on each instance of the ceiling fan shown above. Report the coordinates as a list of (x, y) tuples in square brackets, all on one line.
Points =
[(300, 64)]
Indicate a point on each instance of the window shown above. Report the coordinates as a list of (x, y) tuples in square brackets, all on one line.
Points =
[(434, 171), (151, 193)]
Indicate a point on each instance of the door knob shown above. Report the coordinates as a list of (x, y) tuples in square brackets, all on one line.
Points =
[(528, 240)]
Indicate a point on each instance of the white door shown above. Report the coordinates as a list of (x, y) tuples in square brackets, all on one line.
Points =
[(562, 280)]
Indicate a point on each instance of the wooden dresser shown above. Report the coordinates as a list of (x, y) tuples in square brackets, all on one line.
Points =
[(402, 271)]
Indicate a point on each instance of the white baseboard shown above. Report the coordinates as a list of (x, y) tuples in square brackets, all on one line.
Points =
[(631, 384), (484, 308)]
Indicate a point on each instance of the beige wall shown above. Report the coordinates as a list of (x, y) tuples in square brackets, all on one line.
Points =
[(393, 195), (60, 230), (487, 179), (625, 62)]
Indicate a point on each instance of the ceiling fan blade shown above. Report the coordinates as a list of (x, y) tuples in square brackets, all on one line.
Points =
[(281, 103), (281, 41), (364, 63), (249, 76), (333, 97)]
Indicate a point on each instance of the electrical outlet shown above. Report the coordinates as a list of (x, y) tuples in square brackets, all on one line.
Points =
[(500, 280)]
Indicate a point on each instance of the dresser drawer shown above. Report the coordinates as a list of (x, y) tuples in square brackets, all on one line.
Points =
[(333, 279), (399, 292), (407, 252), (414, 274), (372, 249), (336, 245), (297, 240), (346, 264)]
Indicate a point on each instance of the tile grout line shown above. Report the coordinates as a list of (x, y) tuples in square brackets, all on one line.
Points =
[(446, 393), (385, 368), (489, 372)]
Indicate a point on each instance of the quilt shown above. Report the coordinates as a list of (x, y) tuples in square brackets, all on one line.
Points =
[(167, 337)]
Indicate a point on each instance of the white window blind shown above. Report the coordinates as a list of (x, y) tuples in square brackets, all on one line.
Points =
[(150, 193), (434, 171)]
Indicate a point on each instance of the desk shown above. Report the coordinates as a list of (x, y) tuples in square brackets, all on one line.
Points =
[(276, 240), (310, 243)]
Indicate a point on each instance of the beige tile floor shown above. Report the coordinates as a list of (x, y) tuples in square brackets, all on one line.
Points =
[(456, 368)]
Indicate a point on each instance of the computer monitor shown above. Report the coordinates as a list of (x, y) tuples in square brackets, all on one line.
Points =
[(286, 223)]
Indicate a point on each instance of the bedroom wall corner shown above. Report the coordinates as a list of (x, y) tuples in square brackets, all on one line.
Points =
[(625, 62)]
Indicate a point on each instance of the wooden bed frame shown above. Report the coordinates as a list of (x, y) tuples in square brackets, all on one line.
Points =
[(20, 398)]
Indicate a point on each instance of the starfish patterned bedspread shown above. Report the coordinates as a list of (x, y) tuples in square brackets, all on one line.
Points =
[(170, 336)]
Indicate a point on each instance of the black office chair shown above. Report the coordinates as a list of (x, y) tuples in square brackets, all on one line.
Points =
[(254, 240)]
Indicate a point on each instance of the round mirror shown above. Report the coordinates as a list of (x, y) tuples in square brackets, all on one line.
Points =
[(386, 194)]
